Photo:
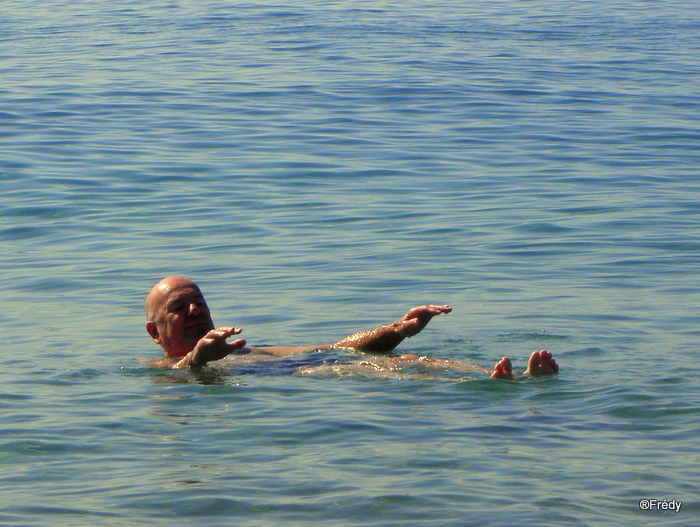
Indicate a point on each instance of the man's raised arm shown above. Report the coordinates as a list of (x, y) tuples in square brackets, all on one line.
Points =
[(386, 338)]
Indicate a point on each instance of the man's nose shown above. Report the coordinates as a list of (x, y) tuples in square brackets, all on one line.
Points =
[(194, 310)]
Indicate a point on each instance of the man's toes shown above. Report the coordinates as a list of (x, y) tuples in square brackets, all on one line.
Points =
[(507, 365), (503, 369), (547, 360), (534, 362), (553, 364), (541, 363)]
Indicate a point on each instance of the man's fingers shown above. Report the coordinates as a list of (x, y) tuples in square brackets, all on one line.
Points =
[(222, 332), (230, 330), (428, 310), (439, 310), (236, 344), (418, 317)]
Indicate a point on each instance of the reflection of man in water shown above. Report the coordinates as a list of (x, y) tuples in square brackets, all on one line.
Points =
[(180, 322)]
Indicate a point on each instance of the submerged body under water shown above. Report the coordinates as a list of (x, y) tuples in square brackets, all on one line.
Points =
[(334, 363)]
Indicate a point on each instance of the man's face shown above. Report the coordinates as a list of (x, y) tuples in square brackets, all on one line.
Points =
[(182, 317)]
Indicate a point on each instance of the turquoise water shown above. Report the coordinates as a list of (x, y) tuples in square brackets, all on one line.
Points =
[(318, 168)]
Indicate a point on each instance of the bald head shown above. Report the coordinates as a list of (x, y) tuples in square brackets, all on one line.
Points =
[(161, 291), (177, 314)]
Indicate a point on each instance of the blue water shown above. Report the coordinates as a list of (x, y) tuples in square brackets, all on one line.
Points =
[(318, 168)]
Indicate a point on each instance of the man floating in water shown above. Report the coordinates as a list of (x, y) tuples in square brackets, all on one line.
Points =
[(178, 319)]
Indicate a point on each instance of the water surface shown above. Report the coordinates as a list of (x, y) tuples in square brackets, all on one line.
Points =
[(319, 168)]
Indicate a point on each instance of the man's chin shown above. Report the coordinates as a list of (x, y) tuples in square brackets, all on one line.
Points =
[(196, 332), (192, 338)]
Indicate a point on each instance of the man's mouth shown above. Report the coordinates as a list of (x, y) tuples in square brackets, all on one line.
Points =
[(199, 326)]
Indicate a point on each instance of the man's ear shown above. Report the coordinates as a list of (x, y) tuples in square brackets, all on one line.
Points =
[(153, 331)]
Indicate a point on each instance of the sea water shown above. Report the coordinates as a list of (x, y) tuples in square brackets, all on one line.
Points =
[(319, 168)]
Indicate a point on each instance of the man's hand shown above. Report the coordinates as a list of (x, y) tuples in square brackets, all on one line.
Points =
[(211, 347), (417, 318)]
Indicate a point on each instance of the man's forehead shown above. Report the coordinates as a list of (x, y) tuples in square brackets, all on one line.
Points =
[(172, 294)]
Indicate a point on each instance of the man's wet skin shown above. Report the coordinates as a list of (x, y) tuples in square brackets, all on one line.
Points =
[(179, 321)]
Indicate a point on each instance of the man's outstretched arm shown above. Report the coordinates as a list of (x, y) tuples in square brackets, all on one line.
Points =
[(386, 338)]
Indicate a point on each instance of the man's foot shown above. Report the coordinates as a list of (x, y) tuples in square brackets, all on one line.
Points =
[(503, 369), (542, 363)]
